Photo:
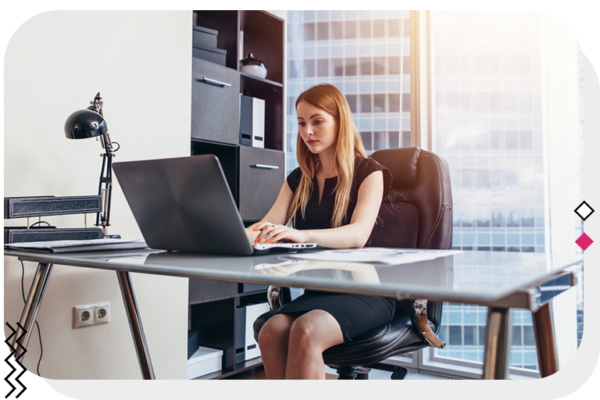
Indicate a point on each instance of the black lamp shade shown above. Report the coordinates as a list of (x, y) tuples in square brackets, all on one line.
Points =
[(85, 124)]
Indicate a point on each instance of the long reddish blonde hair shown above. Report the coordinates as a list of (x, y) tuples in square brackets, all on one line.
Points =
[(329, 99)]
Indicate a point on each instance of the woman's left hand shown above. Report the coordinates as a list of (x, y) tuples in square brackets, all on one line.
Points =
[(271, 233)]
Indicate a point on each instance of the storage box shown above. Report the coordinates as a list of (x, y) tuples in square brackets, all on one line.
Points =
[(211, 54), (204, 361), (252, 121), (193, 342), (246, 346), (204, 37)]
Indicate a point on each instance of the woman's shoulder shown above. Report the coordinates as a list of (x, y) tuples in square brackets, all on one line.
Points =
[(363, 167)]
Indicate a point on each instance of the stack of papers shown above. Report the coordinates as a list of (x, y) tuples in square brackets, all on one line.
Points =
[(376, 255), (68, 246)]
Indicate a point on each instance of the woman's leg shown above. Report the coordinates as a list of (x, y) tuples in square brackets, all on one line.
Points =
[(310, 335), (273, 341)]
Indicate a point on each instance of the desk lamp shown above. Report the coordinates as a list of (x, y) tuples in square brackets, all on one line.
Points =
[(90, 123)]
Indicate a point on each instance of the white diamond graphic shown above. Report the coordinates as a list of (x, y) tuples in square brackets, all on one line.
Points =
[(584, 210)]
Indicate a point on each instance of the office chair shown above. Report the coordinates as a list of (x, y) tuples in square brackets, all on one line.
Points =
[(416, 214)]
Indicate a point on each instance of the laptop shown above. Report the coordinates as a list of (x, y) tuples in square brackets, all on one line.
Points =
[(185, 204)]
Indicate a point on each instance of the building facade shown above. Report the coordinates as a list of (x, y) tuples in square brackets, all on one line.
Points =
[(492, 95)]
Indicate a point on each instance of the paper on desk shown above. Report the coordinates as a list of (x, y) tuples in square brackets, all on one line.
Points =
[(64, 246), (376, 254)]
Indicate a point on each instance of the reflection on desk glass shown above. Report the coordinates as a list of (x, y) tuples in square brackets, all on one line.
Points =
[(343, 271), (140, 260)]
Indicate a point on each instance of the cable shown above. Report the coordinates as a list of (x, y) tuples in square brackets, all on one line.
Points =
[(39, 222), (38, 325), (117, 149)]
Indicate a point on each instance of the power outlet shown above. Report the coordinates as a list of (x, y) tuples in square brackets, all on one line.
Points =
[(102, 313), (83, 316), (91, 314)]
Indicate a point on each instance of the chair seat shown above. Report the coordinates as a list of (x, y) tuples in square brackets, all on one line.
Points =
[(395, 337)]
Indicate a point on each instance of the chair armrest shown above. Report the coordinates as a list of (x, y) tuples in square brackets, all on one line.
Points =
[(421, 324), (274, 297)]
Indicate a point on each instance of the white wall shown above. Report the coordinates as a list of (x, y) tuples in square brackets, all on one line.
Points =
[(140, 62)]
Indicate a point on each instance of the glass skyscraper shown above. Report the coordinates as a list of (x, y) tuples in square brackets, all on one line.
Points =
[(488, 125), (490, 89), (365, 54), (491, 81)]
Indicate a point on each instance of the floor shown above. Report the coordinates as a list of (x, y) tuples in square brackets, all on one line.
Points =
[(375, 374)]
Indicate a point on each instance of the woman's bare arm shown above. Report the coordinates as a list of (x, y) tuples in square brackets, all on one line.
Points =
[(277, 215), (353, 235)]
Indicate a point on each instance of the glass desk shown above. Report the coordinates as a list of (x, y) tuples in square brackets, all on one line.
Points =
[(499, 280)]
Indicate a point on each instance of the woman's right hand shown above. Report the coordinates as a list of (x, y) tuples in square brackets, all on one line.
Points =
[(271, 233)]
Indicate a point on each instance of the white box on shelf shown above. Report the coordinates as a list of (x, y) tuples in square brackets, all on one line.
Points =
[(252, 313), (204, 361), (246, 346), (258, 123), (252, 121)]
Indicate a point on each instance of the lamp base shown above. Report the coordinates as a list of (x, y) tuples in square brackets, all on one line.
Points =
[(111, 237)]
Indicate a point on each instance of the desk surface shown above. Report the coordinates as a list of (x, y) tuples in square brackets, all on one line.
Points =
[(498, 279)]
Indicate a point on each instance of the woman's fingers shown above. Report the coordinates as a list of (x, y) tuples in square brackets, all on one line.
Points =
[(270, 233), (286, 235), (262, 225), (265, 229)]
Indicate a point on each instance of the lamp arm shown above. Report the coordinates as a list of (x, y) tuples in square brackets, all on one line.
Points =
[(106, 143), (105, 190), (105, 184), (108, 187)]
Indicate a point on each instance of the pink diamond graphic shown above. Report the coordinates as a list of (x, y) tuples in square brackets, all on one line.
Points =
[(584, 241)]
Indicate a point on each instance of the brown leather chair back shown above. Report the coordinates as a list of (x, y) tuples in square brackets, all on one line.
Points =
[(418, 211)]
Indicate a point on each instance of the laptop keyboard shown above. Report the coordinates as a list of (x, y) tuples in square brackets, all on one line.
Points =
[(283, 245)]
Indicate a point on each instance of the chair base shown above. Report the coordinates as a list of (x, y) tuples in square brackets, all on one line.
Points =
[(353, 373), (399, 373)]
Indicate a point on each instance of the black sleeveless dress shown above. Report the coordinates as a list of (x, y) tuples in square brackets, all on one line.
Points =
[(356, 314)]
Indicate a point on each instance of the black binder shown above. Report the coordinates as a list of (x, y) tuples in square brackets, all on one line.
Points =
[(22, 234), (43, 206)]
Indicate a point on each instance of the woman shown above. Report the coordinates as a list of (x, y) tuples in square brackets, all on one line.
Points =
[(333, 199)]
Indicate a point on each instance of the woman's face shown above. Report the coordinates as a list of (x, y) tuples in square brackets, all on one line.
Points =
[(317, 128)]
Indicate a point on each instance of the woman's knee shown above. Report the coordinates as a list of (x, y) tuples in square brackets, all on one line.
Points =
[(276, 329), (303, 333), (316, 330)]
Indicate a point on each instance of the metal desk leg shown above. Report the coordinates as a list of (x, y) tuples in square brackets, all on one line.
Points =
[(32, 306), (498, 336), (544, 341), (135, 323)]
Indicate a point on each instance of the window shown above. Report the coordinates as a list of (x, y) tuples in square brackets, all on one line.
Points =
[(485, 109), (488, 123), (366, 57)]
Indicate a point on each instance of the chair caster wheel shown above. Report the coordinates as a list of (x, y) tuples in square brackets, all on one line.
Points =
[(353, 373), (399, 373)]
